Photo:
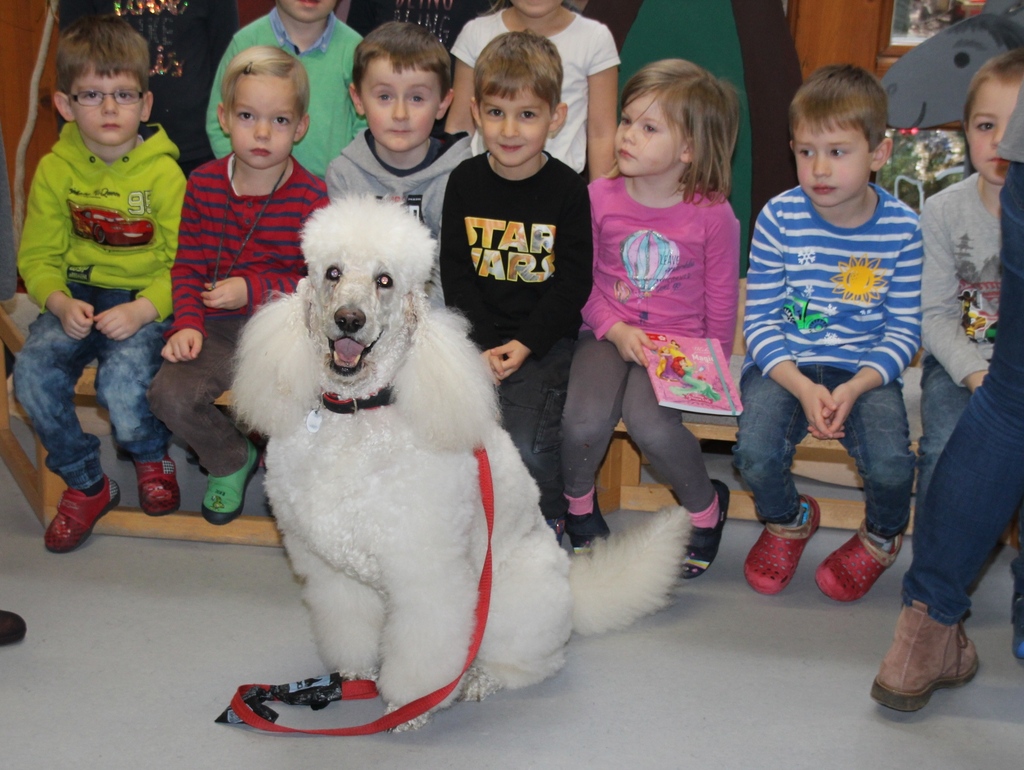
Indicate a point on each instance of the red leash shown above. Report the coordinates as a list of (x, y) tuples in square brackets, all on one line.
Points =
[(247, 704)]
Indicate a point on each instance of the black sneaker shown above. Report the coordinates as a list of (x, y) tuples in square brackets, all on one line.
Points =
[(585, 529), (704, 541)]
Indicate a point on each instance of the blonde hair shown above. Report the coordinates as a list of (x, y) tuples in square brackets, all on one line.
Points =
[(407, 46), (107, 45), (1007, 68), (519, 61), (704, 111), (841, 96), (269, 61)]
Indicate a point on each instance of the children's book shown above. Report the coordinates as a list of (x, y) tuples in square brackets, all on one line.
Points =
[(692, 374)]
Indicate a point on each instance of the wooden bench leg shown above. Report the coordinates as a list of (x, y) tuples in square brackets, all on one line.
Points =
[(51, 486), (620, 468)]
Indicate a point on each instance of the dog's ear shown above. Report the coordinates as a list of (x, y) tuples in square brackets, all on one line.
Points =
[(444, 388), (276, 379), (411, 310), (306, 293)]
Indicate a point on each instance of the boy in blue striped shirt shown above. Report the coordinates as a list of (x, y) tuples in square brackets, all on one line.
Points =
[(833, 316)]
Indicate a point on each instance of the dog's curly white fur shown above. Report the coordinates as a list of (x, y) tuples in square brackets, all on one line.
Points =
[(381, 511)]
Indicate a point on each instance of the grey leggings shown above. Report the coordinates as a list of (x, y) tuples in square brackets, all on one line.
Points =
[(603, 388)]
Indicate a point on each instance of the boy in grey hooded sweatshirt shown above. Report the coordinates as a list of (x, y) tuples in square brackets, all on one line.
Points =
[(401, 82)]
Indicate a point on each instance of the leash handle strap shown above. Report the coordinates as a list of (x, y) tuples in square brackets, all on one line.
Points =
[(363, 688)]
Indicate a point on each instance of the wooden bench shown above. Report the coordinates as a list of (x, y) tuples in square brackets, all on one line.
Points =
[(43, 489), (620, 484)]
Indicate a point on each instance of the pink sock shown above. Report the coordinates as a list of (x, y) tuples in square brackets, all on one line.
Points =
[(708, 517), (581, 506)]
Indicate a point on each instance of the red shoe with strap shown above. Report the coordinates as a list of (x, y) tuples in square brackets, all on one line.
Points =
[(773, 560), (158, 487), (77, 514), (848, 573)]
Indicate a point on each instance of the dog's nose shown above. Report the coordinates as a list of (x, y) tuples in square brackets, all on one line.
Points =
[(349, 321)]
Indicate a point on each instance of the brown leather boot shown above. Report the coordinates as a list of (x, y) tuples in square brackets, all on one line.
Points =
[(925, 656)]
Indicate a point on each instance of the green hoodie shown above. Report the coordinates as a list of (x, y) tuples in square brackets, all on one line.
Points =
[(113, 226)]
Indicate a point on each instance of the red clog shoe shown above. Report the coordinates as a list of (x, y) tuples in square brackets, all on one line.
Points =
[(773, 560), (849, 572)]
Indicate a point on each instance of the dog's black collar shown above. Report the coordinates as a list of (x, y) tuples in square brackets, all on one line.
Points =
[(383, 397)]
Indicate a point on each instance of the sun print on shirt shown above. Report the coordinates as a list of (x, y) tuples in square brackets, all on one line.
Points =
[(859, 280)]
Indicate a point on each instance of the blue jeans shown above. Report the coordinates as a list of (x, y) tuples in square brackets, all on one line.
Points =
[(50, 364), (979, 479), (942, 403), (877, 437), (531, 401)]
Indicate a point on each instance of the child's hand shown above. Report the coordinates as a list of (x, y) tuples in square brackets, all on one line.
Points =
[(74, 314), (846, 395), (122, 321), (630, 341), (506, 359), (183, 345), (229, 294), (819, 408), (816, 401), (973, 380), (495, 365)]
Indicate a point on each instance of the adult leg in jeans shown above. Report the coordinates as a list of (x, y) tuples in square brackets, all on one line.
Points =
[(978, 481), (975, 490), (942, 403)]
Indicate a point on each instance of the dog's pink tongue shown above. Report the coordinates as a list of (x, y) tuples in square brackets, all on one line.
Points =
[(347, 352)]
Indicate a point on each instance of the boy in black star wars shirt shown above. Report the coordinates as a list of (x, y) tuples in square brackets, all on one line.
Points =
[(517, 252)]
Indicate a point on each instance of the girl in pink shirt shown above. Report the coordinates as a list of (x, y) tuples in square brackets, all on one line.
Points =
[(666, 259)]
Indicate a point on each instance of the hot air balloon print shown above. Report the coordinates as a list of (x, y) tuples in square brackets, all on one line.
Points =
[(649, 257)]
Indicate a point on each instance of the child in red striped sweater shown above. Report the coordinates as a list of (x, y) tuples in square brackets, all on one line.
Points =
[(238, 244)]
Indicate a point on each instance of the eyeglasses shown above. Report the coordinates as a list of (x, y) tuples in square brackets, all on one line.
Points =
[(95, 98)]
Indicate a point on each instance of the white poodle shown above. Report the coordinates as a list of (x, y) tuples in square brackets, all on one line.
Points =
[(380, 505)]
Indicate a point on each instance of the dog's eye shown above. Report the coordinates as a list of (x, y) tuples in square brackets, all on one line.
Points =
[(385, 281), (333, 273)]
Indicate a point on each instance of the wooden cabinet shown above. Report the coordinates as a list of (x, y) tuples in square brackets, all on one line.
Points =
[(843, 31)]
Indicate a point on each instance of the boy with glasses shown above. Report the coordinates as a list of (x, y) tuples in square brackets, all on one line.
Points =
[(100, 237)]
